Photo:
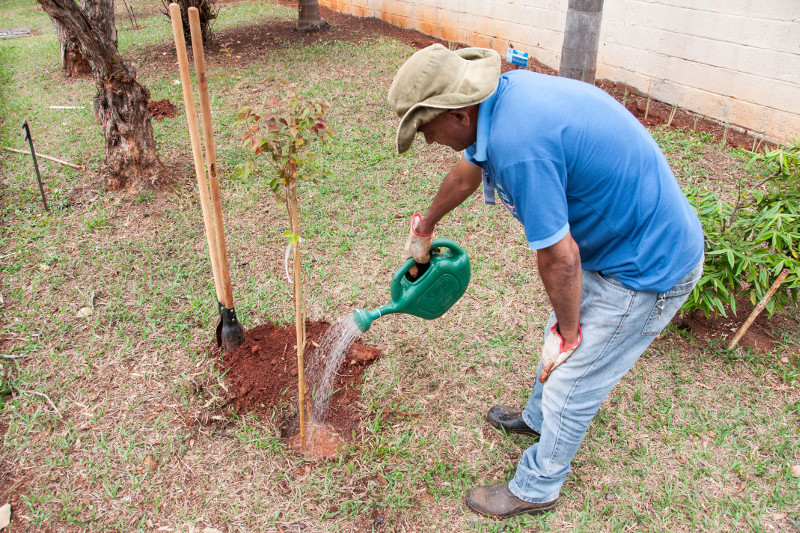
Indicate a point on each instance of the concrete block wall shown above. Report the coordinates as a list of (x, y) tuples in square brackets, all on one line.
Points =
[(736, 61)]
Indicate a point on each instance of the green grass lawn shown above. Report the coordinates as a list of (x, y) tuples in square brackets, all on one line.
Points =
[(110, 405)]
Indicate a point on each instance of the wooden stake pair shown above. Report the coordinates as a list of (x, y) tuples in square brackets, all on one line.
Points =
[(232, 334)]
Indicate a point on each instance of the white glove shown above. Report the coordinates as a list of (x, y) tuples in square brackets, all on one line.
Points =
[(555, 352), (418, 245)]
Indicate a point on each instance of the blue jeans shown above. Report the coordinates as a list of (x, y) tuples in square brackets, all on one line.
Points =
[(618, 324)]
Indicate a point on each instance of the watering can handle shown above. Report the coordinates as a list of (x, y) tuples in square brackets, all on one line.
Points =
[(456, 250), (447, 243)]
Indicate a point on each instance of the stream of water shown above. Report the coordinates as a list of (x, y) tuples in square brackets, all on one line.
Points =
[(321, 374)]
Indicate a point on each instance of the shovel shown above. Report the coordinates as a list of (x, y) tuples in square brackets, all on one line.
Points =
[(229, 332)]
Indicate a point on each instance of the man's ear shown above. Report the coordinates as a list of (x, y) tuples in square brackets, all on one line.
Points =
[(462, 115)]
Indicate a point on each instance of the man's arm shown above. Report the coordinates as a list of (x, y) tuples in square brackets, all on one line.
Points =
[(560, 269), (459, 184)]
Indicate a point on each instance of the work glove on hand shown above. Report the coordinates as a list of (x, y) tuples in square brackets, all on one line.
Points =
[(418, 245), (555, 352)]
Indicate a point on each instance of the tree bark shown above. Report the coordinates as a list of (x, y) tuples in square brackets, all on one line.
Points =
[(131, 160), (72, 61), (308, 17), (101, 17)]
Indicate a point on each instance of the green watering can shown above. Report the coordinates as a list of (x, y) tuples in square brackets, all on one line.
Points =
[(438, 285)]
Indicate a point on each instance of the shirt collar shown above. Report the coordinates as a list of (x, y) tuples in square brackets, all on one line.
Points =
[(484, 123)]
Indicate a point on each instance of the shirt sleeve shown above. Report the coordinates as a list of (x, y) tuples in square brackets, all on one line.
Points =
[(536, 194)]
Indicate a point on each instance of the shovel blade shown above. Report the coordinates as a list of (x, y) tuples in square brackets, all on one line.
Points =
[(230, 332)]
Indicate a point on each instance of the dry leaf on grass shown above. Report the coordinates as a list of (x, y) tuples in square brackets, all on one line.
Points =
[(84, 312), (149, 463), (5, 515), (796, 471)]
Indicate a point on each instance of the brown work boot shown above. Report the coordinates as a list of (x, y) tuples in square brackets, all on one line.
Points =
[(509, 419), (497, 501)]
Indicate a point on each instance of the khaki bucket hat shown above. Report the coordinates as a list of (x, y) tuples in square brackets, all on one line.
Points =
[(435, 79)]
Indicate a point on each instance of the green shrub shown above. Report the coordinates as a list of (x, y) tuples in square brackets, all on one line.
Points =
[(749, 244)]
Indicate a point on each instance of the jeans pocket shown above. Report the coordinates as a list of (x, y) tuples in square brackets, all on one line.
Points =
[(670, 302), (663, 310)]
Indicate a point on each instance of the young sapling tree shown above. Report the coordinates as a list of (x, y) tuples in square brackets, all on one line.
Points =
[(283, 135)]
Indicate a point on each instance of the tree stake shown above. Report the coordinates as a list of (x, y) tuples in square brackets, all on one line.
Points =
[(757, 311)]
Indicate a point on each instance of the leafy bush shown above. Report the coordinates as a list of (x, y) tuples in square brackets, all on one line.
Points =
[(749, 244)]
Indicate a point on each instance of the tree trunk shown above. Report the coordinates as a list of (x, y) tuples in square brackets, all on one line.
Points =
[(131, 161), (308, 17), (101, 17), (72, 60), (581, 38)]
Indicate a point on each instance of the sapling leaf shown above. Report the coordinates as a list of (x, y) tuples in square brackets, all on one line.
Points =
[(244, 111)]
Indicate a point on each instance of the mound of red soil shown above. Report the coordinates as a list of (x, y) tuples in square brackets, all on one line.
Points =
[(161, 109), (262, 374)]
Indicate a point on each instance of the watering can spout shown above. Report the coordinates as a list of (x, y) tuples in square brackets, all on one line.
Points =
[(363, 318)]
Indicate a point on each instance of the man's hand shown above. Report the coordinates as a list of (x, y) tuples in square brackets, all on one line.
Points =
[(556, 351), (418, 245)]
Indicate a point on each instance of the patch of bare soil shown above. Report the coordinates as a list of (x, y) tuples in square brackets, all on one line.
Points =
[(161, 109), (262, 375), (763, 335)]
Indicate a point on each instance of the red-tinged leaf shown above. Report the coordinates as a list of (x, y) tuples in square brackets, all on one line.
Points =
[(253, 128)]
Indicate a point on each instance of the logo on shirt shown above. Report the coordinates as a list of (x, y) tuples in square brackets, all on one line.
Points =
[(506, 200)]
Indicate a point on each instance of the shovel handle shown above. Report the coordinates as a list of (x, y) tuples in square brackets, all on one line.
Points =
[(194, 135), (211, 154)]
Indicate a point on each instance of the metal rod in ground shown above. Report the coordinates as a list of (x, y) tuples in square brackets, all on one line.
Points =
[(757, 311), (35, 164)]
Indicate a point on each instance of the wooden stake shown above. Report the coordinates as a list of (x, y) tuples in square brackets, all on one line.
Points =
[(758, 309), (299, 319), (51, 158), (211, 156), (672, 114), (647, 107), (194, 138)]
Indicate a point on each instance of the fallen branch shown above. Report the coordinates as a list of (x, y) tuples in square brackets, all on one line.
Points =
[(82, 168), (45, 396), (758, 309), (11, 356)]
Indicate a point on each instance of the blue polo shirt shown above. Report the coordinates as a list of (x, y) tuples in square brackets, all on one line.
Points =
[(564, 156)]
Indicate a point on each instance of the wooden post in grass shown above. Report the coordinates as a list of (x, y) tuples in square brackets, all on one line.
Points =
[(757, 311)]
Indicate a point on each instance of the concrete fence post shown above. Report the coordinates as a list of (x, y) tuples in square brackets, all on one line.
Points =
[(581, 38)]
